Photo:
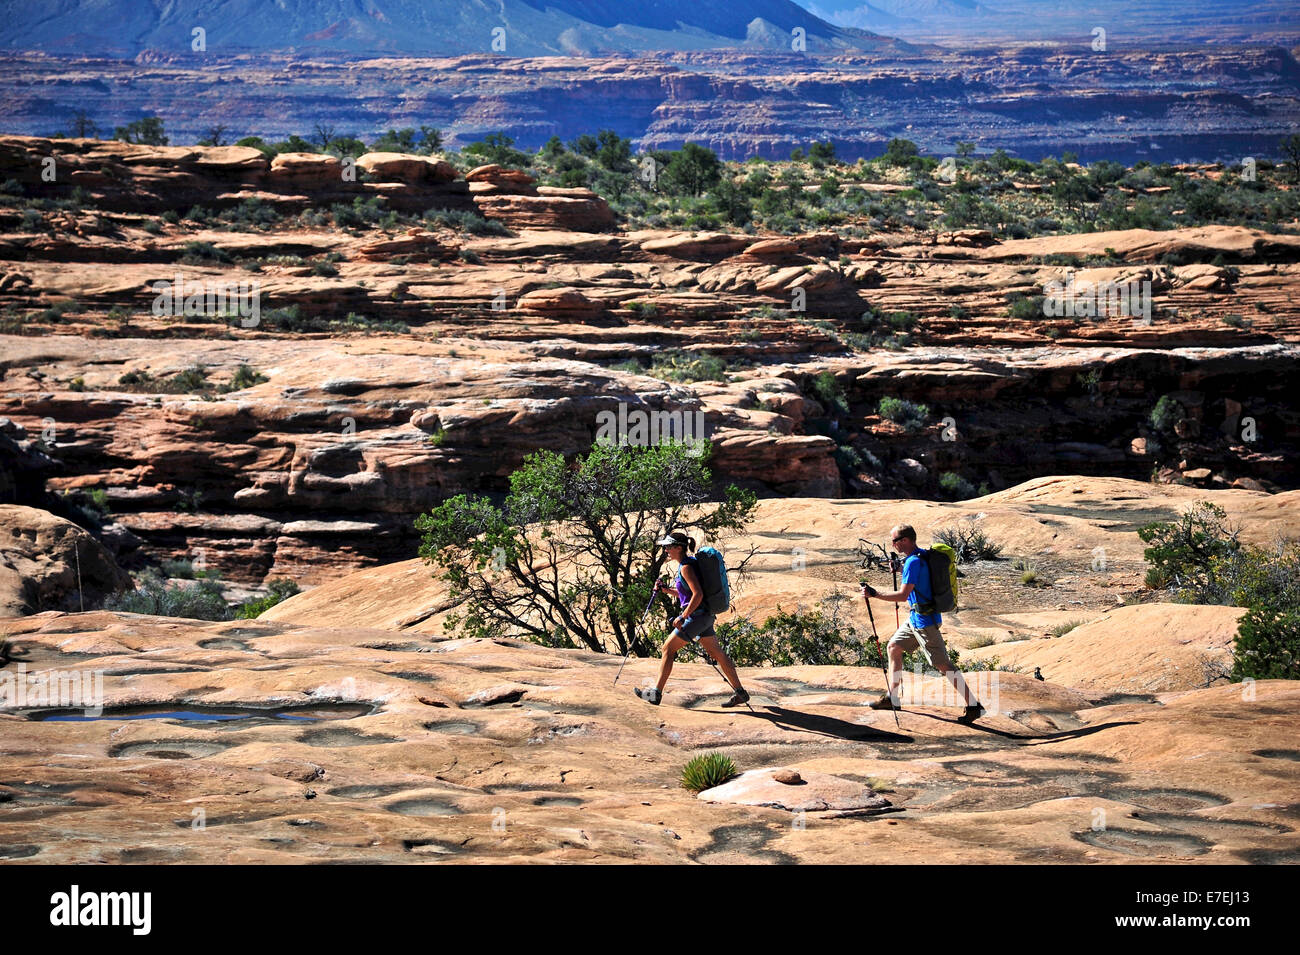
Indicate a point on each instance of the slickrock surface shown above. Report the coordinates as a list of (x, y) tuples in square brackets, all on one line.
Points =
[(520, 341), (498, 751), (1081, 531)]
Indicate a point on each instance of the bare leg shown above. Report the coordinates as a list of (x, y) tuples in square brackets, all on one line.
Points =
[(714, 649), (674, 644), (959, 684), (895, 672)]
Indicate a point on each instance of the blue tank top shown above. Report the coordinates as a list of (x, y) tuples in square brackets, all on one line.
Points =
[(683, 588)]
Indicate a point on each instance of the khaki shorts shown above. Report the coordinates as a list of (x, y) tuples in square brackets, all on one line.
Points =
[(909, 638)]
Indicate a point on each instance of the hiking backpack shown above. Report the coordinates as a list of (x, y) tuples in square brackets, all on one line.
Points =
[(942, 563), (713, 577)]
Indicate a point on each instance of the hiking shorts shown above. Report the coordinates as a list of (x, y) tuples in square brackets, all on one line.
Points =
[(698, 624), (909, 638)]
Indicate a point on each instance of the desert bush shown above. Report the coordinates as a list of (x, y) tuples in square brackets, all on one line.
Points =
[(706, 771), (463, 221), (677, 365), (956, 486), (600, 516), (1061, 629), (153, 595), (190, 381), (969, 542), (245, 377), (1200, 559), (1166, 414), (909, 415), (828, 390), (1184, 555), (280, 589)]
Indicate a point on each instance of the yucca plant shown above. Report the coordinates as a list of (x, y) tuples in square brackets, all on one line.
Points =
[(707, 771)]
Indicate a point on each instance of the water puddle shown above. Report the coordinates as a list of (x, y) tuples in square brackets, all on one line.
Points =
[(307, 713)]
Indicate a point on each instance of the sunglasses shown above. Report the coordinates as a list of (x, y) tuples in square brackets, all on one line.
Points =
[(895, 540)]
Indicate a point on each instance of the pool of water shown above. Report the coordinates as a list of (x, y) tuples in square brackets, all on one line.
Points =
[(211, 714)]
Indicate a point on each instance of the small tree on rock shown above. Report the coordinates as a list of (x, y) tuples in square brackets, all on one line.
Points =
[(570, 553)]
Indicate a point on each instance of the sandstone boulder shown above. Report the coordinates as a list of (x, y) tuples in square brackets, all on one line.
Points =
[(305, 171), (39, 558), (706, 246), (406, 167), (813, 791)]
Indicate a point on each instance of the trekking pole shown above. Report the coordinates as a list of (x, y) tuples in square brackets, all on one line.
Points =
[(893, 567), (705, 653), (654, 592), (883, 668)]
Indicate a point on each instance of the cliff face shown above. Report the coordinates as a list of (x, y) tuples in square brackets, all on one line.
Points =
[(315, 458), (1205, 103)]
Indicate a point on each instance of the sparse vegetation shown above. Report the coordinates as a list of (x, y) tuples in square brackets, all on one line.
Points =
[(1061, 629), (1199, 558), (909, 415), (969, 542), (201, 600), (706, 771), (280, 589)]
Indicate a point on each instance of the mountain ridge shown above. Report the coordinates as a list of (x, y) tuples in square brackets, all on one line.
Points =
[(412, 27)]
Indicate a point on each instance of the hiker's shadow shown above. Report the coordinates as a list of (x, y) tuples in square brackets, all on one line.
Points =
[(825, 725)]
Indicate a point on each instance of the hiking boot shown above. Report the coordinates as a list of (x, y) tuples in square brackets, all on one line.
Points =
[(739, 698), (884, 703), (972, 714), (650, 694)]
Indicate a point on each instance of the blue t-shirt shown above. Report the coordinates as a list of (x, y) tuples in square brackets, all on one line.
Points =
[(917, 573)]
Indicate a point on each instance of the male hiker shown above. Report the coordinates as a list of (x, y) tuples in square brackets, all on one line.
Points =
[(920, 629)]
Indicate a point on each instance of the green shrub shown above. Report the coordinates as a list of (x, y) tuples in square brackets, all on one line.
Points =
[(280, 589), (826, 388), (192, 380), (245, 377), (677, 365), (956, 486), (1186, 554), (1061, 629), (706, 771), (198, 253), (909, 415), (153, 595), (1166, 414), (1267, 645), (1025, 308)]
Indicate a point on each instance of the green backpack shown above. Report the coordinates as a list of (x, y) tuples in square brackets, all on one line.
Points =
[(942, 563)]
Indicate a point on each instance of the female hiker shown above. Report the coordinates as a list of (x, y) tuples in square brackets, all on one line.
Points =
[(694, 624)]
